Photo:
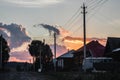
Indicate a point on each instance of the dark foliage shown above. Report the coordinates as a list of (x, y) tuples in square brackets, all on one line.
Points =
[(35, 47), (5, 50), (41, 52)]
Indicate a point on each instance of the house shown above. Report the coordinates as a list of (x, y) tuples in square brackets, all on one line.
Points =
[(65, 61), (93, 49), (112, 48)]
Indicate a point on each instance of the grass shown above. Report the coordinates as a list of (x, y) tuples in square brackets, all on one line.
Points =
[(85, 76), (62, 75)]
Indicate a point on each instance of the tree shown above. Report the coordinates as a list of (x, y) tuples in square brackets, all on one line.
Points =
[(4, 51), (42, 54), (47, 58), (35, 47)]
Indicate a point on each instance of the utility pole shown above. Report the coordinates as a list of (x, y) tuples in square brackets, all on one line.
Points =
[(34, 63), (55, 50), (44, 41), (84, 28), (1, 51), (40, 58)]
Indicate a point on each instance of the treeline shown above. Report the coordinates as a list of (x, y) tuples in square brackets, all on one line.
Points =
[(41, 53), (4, 52)]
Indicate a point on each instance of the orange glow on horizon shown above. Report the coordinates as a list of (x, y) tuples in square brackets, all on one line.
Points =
[(69, 44), (14, 59), (76, 44), (73, 44), (74, 41)]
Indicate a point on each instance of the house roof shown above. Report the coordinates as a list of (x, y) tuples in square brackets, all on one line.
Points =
[(115, 50), (112, 44), (94, 47), (67, 54)]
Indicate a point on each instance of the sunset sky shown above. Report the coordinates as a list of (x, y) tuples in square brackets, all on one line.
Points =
[(102, 21)]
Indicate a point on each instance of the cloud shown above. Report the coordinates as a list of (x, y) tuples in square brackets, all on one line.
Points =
[(33, 3), (23, 47), (50, 28), (77, 42), (23, 55), (60, 49), (71, 38), (63, 32), (16, 34), (54, 28), (20, 53), (17, 39), (8, 34)]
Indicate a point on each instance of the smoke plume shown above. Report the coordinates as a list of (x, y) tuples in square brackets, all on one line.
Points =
[(50, 28)]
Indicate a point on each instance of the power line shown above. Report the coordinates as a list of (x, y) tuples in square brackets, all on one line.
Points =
[(97, 9), (99, 3), (111, 27), (71, 21), (71, 24), (92, 2), (92, 14), (78, 29), (72, 16), (107, 20)]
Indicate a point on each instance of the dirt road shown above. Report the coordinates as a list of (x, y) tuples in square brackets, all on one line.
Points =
[(24, 76)]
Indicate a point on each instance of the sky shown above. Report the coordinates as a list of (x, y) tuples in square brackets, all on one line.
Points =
[(102, 21)]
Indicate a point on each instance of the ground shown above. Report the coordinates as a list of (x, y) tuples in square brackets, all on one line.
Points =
[(59, 76), (24, 76)]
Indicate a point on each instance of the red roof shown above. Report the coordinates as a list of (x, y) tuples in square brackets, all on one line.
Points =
[(95, 48)]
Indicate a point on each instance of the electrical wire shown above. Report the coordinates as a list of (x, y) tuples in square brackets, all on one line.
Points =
[(96, 10), (73, 16), (97, 5)]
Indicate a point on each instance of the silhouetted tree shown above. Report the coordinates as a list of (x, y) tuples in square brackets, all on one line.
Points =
[(35, 47), (41, 52), (47, 58), (4, 50)]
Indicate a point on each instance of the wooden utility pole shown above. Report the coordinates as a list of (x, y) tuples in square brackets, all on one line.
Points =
[(84, 28), (84, 31), (44, 41), (34, 63), (40, 58)]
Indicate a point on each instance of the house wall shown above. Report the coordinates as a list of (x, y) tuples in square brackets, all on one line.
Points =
[(60, 63), (68, 64), (65, 64)]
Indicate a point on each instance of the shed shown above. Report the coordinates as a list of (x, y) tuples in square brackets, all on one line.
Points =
[(65, 62)]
